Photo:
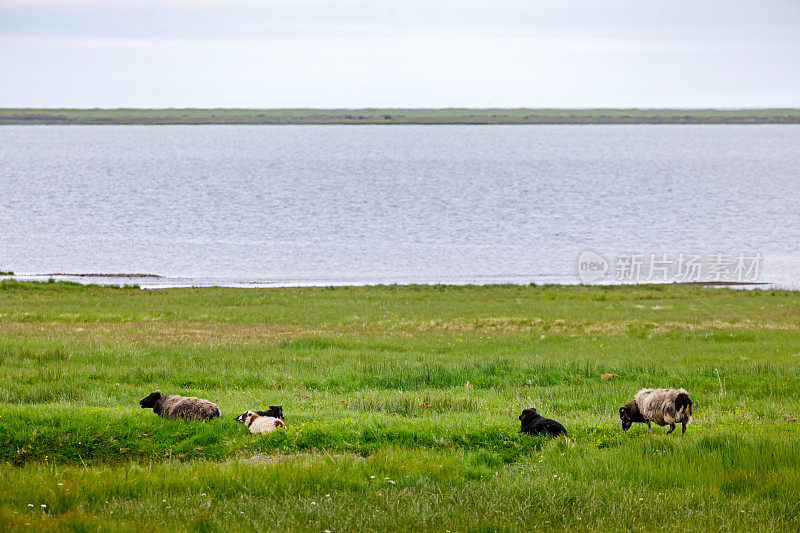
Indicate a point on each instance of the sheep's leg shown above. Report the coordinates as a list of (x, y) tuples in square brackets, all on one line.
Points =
[(683, 427), (649, 429), (671, 428)]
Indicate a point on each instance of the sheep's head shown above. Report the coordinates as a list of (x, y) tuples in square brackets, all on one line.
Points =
[(150, 401), (626, 418), (247, 418), (628, 414), (530, 412), (242, 418)]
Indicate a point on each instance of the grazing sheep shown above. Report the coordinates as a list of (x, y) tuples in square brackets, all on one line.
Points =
[(175, 406), (661, 406), (261, 424), (533, 422), (275, 411)]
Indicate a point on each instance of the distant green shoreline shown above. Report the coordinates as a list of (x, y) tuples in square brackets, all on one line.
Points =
[(10, 116)]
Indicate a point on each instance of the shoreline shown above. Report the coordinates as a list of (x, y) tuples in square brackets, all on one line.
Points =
[(441, 116), (155, 281)]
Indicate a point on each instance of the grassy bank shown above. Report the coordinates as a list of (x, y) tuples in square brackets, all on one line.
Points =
[(399, 116), (401, 406)]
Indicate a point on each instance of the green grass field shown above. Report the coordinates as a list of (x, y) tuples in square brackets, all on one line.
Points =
[(399, 116), (401, 405)]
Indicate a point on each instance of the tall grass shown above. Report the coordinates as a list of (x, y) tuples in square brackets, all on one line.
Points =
[(418, 386)]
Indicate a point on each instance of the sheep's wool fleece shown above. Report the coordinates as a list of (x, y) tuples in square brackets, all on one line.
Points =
[(264, 424), (658, 405), (175, 406)]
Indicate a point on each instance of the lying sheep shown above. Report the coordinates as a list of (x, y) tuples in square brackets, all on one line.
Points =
[(175, 406), (661, 406), (533, 422), (260, 424), (275, 411)]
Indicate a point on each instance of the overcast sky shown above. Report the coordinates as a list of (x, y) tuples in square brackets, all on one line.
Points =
[(406, 53)]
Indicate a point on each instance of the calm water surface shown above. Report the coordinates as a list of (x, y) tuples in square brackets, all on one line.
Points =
[(304, 205)]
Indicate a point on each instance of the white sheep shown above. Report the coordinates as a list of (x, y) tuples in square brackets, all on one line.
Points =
[(261, 424)]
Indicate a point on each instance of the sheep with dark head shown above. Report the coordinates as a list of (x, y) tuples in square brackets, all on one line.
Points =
[(533, 422), (659, 406), (175, 406)]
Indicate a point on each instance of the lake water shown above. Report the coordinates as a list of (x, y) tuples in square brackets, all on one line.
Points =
[(311, 205)]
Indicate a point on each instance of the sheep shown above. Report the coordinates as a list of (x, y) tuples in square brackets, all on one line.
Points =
[(175, 406), (275, 411), (662, 406), (261, 424), (533, 422)]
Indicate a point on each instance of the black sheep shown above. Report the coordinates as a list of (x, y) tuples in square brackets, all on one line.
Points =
[(533, 422)]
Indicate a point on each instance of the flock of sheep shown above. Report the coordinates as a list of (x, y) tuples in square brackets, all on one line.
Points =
[(657, 406), (191, 408)]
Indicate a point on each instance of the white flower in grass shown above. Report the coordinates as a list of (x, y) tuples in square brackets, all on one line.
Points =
[(313, 503), (30, 505), (43, 505)]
